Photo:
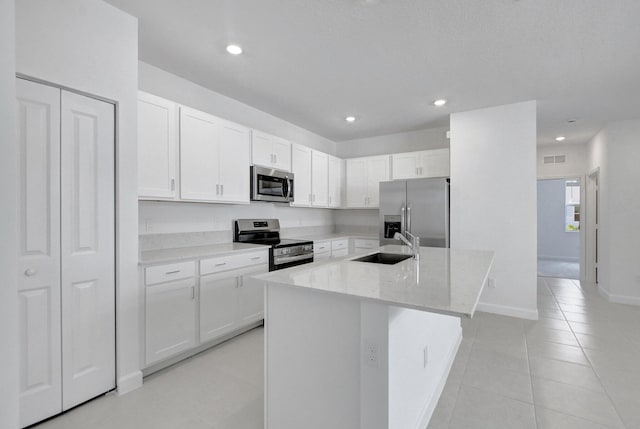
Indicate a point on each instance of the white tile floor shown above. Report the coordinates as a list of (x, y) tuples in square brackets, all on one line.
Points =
[(577, 367)]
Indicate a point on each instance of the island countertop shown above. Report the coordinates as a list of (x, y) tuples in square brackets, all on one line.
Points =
[(446, 281)]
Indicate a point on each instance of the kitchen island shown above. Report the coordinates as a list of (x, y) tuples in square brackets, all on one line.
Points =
[(353, 344)]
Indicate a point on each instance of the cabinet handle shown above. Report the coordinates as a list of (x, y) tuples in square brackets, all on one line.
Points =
[(217, 189), (275, 158), (417, 171), (222, 189), (255, 258), (221, 264), (240, 281), (30, 272), (329, 199), (173, 272), (173, 184), (193, 292)]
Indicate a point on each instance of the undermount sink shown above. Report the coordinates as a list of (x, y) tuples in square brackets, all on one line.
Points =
[(383, 258)]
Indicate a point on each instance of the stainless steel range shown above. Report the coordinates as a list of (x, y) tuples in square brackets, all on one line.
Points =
[(284, 253)]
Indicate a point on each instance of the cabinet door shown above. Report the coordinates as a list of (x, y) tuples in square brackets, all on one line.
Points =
[(199, 167), (250, 296), (319, 179), (218, 305), (435, 163), (301, 163), (356, 182), (170, 319), (157, 147), (87, 248), (406, 165), (234, 156), (281, 154), (377, 171), (38, 205), (261, 149), (336, 181)]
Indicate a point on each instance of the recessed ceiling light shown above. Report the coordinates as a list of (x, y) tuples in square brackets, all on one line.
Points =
[(234, 49), (350, 119), (440, 102), (560, 138)]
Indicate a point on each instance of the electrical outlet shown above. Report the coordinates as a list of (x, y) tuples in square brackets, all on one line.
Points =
[(371, 353), (425, 356), (491, 283)]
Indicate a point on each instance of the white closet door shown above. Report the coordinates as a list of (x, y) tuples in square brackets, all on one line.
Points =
[(39, 251), (87, 247)]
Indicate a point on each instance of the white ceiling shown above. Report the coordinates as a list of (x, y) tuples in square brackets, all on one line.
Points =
[(313, 62)]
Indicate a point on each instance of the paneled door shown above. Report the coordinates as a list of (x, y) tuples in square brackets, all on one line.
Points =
[(66, 263), (38, 112), (87, 248)]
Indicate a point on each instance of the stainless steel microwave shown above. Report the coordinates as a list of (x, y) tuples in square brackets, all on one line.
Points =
[(268, 184)]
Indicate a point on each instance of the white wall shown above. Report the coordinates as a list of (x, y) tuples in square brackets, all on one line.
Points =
[(8, 221), (90, 46), (554, 242), (616, 151), (493, 200), (175, 88), (434, 138), (575, 165), (356, 217), (171, 217)]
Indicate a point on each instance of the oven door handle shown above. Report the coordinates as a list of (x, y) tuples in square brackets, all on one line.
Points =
[(286, 259)]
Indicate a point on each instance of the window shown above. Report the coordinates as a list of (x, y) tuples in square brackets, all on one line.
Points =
[(572, 206)]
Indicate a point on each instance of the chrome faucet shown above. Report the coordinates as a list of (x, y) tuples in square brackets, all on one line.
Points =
[(413, 242)]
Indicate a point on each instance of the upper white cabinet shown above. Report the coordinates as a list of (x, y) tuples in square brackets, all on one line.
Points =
[(301, 167), (270, 151), (428, 163), (311, 181), (214, 158), (157, 147), (336, 181), (319, 179), (363, 178)]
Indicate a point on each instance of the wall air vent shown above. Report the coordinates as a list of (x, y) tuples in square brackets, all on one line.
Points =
[(555, 159)]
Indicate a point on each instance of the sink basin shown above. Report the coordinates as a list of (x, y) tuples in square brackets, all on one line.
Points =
[(383, 258)]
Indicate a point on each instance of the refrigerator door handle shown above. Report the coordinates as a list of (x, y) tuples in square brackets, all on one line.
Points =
[(402, 218), (408, 217)]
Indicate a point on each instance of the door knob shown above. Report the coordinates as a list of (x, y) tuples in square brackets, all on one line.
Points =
[(29, 272)]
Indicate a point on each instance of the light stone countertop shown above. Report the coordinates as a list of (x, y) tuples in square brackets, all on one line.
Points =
[(446, 281), (175, 254)]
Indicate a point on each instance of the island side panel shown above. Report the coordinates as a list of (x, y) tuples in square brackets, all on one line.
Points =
[(416, 383), (312, 359)]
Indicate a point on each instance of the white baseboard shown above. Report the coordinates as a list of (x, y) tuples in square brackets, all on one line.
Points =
[(129, 382), (430, 406), (503, 310), (618, 299)]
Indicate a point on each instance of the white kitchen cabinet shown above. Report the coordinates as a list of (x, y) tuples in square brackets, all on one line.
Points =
[(250, 297), (214, 158), (66, 286), (336, 181), (321, 250), (170, 316), (218, 304), (319, 179), (301, 167), (157, 147), (270, 151), (427, 163), (363, 178)]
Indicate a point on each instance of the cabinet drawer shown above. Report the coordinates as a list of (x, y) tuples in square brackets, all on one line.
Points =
[(360, 243), (231, 262), (169, 272), (340, 244), (321, 246)]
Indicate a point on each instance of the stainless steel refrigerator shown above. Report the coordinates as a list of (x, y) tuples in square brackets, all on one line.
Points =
[(420, 206)]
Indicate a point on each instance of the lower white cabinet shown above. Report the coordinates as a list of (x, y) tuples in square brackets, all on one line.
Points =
[(181, 313), (170, 317)]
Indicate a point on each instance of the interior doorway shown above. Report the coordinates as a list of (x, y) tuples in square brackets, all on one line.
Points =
[(592, 200), (559, 221)]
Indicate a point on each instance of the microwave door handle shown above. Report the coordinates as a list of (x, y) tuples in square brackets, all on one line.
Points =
[(289, 188), (285, 187)]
